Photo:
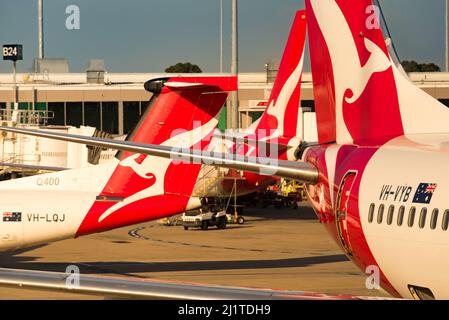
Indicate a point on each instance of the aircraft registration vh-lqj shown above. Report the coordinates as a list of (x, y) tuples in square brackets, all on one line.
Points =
[(376, 178)]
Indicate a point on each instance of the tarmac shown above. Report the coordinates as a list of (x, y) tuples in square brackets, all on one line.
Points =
[(281, 249)]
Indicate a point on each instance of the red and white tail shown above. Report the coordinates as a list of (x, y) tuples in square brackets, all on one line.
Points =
[(281, 115), (360, 95), (183, 113)]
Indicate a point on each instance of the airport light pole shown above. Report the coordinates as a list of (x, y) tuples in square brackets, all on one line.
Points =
[(447, 37), (234, 66), (16, 93), (40, 19), (221, 36)]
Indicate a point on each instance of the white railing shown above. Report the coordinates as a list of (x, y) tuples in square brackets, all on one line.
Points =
[(26, 117)]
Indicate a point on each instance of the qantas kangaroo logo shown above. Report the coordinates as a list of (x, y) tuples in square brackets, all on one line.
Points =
[(352, 77), (378, 62), (139, 169)]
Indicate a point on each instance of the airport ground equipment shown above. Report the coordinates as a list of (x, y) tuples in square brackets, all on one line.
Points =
[(204, 220)]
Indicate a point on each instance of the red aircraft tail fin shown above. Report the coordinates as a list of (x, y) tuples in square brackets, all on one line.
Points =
[(183, 113), (360, 95), (281, 115)]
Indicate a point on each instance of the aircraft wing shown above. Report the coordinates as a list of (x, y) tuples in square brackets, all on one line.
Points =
[(126, 287), (300, 171)]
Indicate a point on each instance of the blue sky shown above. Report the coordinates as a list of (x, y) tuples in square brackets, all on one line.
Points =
[(149, 35)]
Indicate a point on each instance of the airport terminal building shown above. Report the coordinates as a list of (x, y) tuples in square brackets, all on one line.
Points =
[(113, 102)]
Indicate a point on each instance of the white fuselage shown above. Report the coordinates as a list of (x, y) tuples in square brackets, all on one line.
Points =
[(51, 206), (409, 254)]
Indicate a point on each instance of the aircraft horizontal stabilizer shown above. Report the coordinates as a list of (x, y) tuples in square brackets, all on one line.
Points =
[(183, 85), (301, 171), (220, 84)]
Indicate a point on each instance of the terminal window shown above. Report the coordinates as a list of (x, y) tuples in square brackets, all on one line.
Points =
[(74, 111), (308, 104), (40, 106), (109, 113), (24, 106), (445, 102), (144, 106), (131, 115), (56, 113), (92, 114), (256, 115)]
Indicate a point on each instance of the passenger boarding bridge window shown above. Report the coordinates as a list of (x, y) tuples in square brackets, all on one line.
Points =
[(445, 224), (380, 214), (56, 113), (131, 115), (434, 219), (109, 113), (390, 215), (401, 213), (411, 217), (74, 114), (422, 218), (92, 115), (372, 207)]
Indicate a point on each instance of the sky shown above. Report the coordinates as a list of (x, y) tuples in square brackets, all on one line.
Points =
[(150, 35)]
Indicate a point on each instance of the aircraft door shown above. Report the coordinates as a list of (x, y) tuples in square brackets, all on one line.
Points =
[(344, 194)]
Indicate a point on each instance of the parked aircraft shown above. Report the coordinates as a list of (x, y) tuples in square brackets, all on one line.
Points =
[(370, 118), (377, 178), (128, 190)]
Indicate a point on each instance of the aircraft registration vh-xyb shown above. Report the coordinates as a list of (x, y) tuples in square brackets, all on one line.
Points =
[(376, 179)]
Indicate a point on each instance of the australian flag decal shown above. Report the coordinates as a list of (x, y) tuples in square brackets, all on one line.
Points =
[(12, 216), (424, 193)]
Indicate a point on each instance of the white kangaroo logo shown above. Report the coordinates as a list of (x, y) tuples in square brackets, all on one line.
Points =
[(139, 169), (347, 70), (378, 62)]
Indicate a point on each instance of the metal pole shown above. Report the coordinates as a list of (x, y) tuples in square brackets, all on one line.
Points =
[(16, 93), (14, 79), (40, 29), (235, 199), (234, 65), (221, 36), (447, 38)]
